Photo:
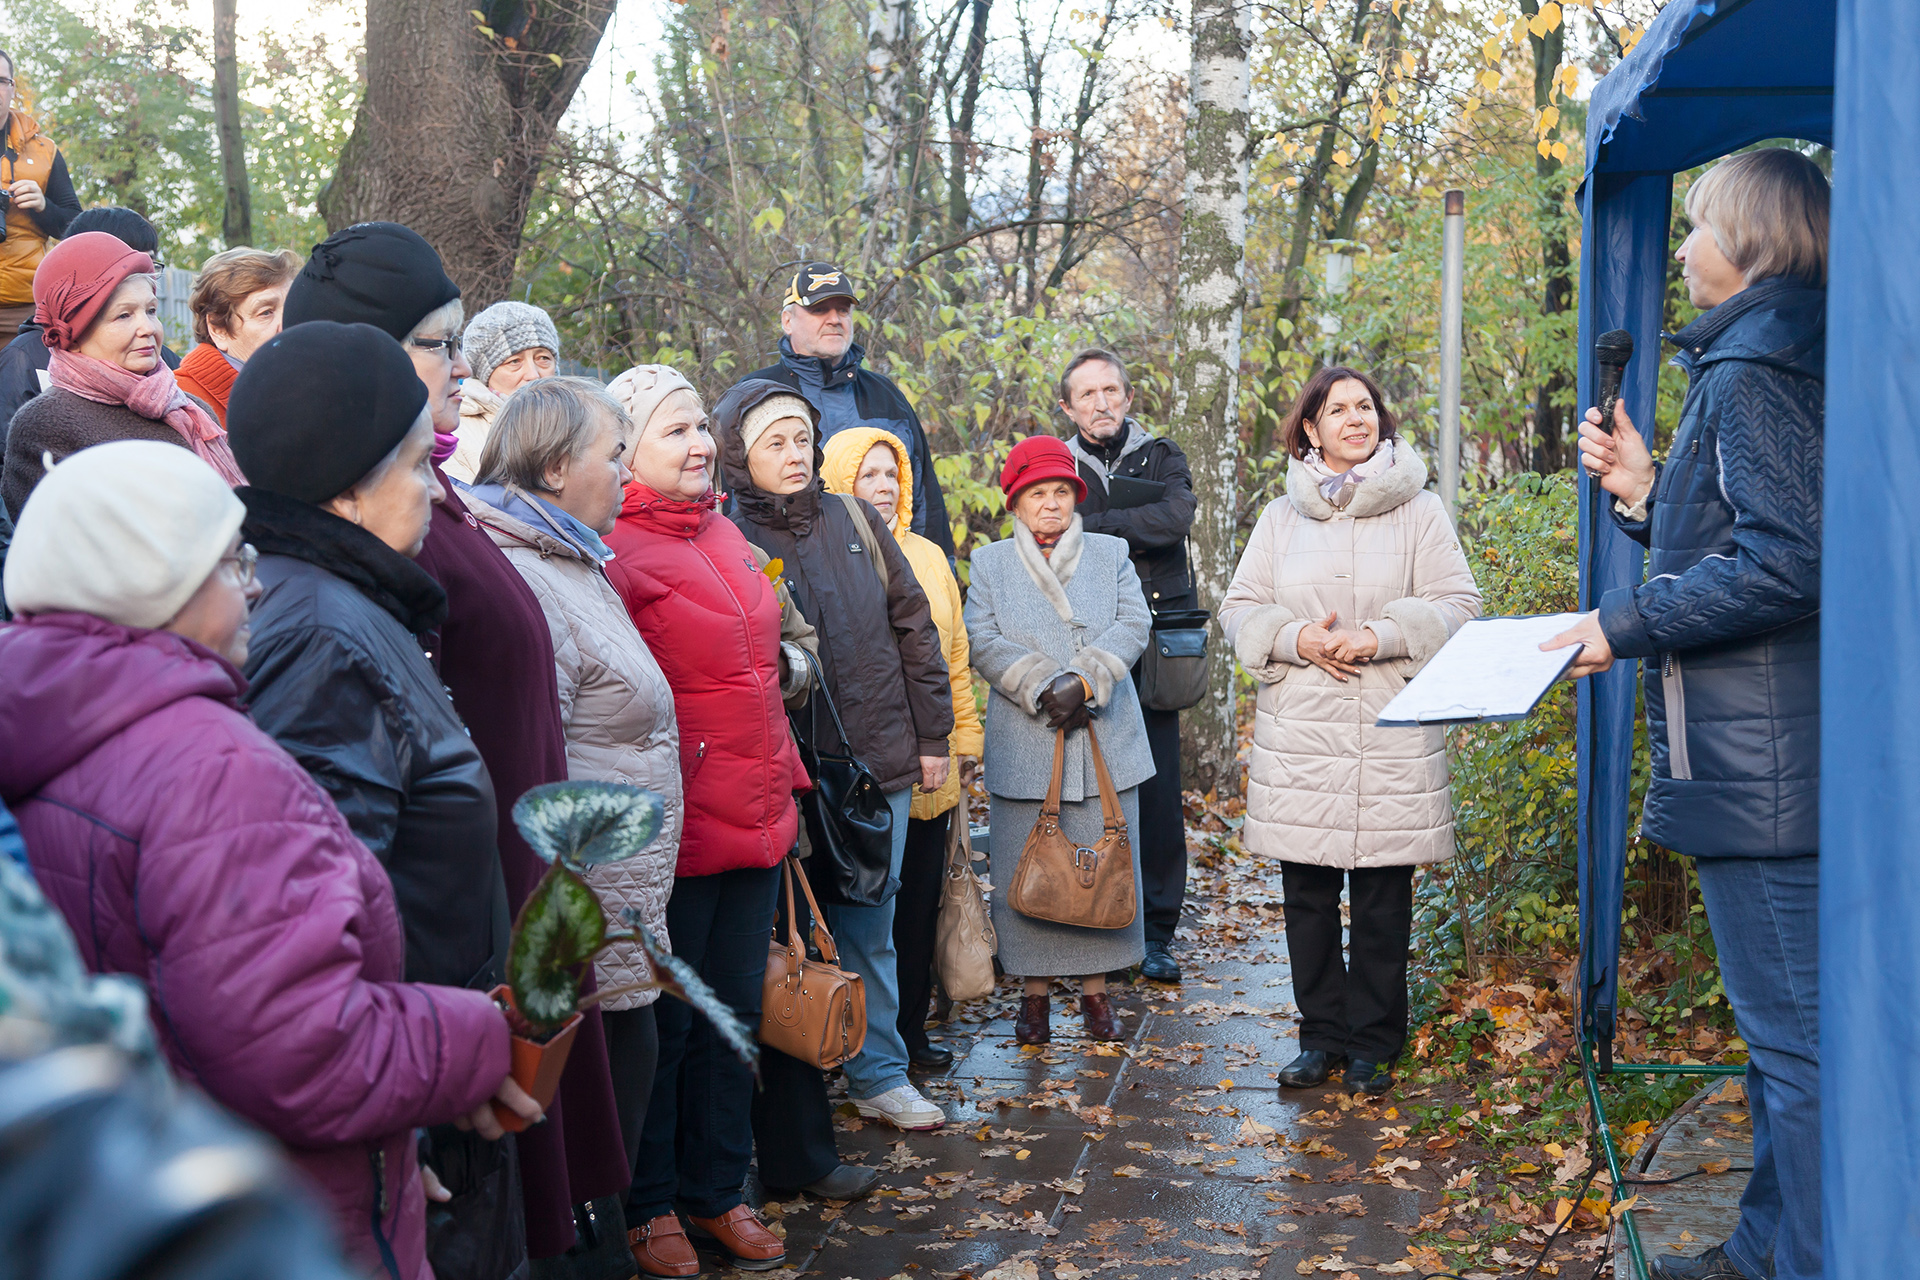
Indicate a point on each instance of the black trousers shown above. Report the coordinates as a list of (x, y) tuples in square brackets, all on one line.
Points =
[(1162, 838), (792, 1119), (633, 1049), (696, 1143), (1356, 1007), (916, 910)]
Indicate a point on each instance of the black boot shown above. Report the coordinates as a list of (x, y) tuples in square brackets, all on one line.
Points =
[(1160, 966), (1312, 1068), (1369, 1078), (1713, 1264)]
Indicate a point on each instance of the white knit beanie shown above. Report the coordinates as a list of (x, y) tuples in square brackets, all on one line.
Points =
[(769, 411), (502, 332), (124, 531), (643, 388)]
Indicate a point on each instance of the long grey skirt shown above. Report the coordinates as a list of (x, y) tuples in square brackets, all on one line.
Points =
[(1032, 948)]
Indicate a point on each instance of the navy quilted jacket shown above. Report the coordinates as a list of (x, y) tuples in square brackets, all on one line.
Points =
[(1729, 617)]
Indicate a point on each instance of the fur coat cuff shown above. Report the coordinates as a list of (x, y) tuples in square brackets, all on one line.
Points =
[(1101, 670), (1265, 642), (1423, 628), (1027, 678)]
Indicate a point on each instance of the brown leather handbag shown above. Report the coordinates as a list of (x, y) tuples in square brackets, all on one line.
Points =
[(1067, 883), (812, 1010)]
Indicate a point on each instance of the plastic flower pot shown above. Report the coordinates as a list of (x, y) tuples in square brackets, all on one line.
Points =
[(537, 1064)]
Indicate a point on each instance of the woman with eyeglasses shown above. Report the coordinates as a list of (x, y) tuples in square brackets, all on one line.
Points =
[(495, 656), (96, 302), (189, 850)]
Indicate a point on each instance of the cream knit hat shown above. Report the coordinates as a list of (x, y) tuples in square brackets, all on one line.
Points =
[(642, 389), (770, 411), (124, 531)]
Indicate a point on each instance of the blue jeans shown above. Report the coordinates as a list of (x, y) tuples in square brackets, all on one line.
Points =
[(1765, 915), (864, 936)]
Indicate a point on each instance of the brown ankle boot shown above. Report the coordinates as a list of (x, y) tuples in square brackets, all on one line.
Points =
[(1031, 1028), (1102, 1022)]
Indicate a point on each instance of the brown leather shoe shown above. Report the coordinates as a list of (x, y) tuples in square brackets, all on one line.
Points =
[(1031, 1026), (661, 1248), (745, 1240), (1102, 1022)]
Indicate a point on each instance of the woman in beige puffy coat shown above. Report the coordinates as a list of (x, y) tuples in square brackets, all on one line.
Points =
[(550, 484), (1350, 583)]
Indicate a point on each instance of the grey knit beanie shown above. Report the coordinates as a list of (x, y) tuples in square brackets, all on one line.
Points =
[(502, 332)]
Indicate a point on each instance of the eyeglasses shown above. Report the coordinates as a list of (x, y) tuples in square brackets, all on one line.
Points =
[(443, 345), (244, 560)]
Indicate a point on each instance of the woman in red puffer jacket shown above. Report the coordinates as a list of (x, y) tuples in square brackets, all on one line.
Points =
[(712, 619), (186, 848)]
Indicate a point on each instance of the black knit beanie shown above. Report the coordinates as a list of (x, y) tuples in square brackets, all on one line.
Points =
[(377, 273), (317, 408)]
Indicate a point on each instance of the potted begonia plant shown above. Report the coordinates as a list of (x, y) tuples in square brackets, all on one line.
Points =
[(574, 826)]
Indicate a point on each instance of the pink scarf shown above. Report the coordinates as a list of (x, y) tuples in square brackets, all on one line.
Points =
[(154, 395)]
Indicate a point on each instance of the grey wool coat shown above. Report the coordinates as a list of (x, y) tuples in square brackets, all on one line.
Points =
[(1028, 620)]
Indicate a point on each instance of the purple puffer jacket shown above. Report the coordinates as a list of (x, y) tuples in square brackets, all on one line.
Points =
[(186, 848)]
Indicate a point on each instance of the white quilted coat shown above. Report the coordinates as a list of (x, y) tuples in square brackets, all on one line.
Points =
[(1324, 786), (618, 711)]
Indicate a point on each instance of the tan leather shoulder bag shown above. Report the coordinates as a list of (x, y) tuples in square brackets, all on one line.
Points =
[(812, 1010), (1066, 883)]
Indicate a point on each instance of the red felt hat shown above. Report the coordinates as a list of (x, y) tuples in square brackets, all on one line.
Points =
[(1039, 458), (76, 279)]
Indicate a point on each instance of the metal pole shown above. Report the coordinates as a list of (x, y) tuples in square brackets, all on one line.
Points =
[(1453, 261)]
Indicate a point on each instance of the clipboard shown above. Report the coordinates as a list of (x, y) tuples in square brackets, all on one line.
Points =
[(1491, 670)]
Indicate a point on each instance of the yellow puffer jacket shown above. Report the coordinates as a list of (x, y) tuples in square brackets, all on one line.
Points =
[(844, 452), (26, 241)]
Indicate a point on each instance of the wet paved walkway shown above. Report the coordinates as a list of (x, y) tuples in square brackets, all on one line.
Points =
[(1169, 1155)]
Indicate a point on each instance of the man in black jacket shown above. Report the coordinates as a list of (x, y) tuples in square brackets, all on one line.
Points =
[(1097, 397), (820, 360)]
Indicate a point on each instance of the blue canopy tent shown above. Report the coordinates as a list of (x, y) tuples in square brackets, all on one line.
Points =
[(1709, 77)]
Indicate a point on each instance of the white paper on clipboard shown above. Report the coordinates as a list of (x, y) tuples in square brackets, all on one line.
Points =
[(1492, 669)]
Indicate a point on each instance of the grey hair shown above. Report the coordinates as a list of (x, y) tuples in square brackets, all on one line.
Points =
[(448, 316), (544, 424), (378, 471), (1087, 357), (1767, 210)]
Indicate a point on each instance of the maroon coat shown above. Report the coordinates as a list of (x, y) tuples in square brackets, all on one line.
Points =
[(496, 656), (186, 848)]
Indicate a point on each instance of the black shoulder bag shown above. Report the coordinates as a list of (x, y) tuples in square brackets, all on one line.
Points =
[(849, 823)]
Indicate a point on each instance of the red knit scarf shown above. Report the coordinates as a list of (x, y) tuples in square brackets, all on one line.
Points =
[(156, 396)]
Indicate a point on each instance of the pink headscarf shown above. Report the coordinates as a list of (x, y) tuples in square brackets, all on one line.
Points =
[(72, 285)]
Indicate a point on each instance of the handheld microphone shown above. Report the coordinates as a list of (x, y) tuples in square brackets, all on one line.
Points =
[(1611, 351)]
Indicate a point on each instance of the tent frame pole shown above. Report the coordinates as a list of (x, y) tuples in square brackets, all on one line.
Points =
[(1604, 1132)]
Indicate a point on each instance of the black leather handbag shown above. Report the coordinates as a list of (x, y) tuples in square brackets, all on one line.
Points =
[(1173, 670), (849, 823)]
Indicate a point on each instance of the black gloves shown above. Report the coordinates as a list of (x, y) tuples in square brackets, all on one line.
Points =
[(1064, 703)]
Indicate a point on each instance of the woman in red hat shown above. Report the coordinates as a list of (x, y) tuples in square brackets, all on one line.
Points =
[(1056, 620), (95, 301)]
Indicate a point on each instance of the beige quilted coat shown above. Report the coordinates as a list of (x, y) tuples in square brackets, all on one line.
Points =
[(618, 711), (1324, 786)]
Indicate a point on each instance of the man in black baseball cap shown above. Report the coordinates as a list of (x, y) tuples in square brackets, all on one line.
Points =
[(820, 360)]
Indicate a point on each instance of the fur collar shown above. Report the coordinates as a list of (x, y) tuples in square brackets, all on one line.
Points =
[(1051, 574), (1382, 494)]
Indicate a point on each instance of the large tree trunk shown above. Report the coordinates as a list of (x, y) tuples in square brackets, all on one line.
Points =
[(1213, 293), (960, 138), (236, 218), (455, 123)]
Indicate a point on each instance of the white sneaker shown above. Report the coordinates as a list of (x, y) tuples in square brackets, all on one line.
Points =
[(903, 1108)]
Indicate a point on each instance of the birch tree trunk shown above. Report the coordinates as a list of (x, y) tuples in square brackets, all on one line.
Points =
[(888, 31), (1213, 250), (236, 218)]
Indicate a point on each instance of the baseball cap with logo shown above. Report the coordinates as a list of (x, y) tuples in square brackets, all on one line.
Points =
[(815, 282)]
